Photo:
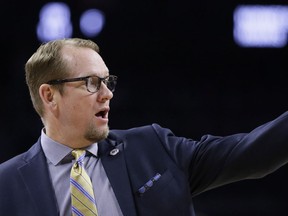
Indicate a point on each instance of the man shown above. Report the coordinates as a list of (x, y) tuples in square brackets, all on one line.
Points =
[(146, 171)]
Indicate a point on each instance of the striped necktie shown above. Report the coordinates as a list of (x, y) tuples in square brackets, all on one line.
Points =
[(82, 195)]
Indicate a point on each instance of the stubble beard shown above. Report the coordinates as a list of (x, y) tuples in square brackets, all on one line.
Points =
[(95, 134)]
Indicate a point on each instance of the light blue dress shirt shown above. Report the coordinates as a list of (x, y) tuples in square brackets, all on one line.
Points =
[(60, 161)]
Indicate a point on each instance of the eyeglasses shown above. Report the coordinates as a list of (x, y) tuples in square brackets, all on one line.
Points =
[(93, 83)]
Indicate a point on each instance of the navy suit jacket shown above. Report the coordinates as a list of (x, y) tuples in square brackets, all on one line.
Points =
[(187, 168)]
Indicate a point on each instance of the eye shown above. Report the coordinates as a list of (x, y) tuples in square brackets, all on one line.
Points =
[(92, 84), (93, 81)]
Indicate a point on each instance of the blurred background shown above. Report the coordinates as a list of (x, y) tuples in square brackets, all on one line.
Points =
[(196, 67)]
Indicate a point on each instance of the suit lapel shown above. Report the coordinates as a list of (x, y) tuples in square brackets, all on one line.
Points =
[(36, 178), (115, 166)]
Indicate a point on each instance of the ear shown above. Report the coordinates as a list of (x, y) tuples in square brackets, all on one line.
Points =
[(47, 94)]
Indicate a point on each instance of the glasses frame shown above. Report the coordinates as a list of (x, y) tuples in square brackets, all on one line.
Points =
[(100, 80)]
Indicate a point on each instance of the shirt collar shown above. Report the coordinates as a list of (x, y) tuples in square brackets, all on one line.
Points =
[(56, 152)]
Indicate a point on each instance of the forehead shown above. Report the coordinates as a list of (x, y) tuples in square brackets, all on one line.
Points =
[(83, 61)]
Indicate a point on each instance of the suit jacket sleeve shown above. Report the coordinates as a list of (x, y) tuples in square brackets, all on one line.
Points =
[(214, 161), (188, 167)]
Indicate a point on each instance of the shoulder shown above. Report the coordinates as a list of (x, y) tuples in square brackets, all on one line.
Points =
[(14, 161), (146, 130), (9, 170), (20, 160)]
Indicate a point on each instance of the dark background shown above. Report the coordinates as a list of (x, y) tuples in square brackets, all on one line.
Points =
[(178, 66)]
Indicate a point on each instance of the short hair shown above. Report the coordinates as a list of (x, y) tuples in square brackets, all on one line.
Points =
[(47, 63)]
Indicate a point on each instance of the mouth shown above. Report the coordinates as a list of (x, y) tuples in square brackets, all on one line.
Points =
[(103, 113)]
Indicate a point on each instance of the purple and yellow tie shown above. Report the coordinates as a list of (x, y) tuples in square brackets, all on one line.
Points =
[(82, 195)]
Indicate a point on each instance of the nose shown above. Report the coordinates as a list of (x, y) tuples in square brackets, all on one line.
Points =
[(104, 93)]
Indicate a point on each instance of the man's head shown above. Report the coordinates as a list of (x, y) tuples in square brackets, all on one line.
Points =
[(70, 89)]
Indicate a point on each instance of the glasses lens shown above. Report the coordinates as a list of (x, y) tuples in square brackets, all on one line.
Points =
[(93, 84), (110, 82)]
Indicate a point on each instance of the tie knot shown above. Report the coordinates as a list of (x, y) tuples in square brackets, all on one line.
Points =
[(79, 155)]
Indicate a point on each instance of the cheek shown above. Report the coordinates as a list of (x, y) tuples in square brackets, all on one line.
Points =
[(76, 116), (76, 108), (81, 110)]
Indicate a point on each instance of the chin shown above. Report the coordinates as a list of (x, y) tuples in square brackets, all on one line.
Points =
[(97, 134)]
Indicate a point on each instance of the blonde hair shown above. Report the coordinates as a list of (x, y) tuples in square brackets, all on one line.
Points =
[(47, 64)]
